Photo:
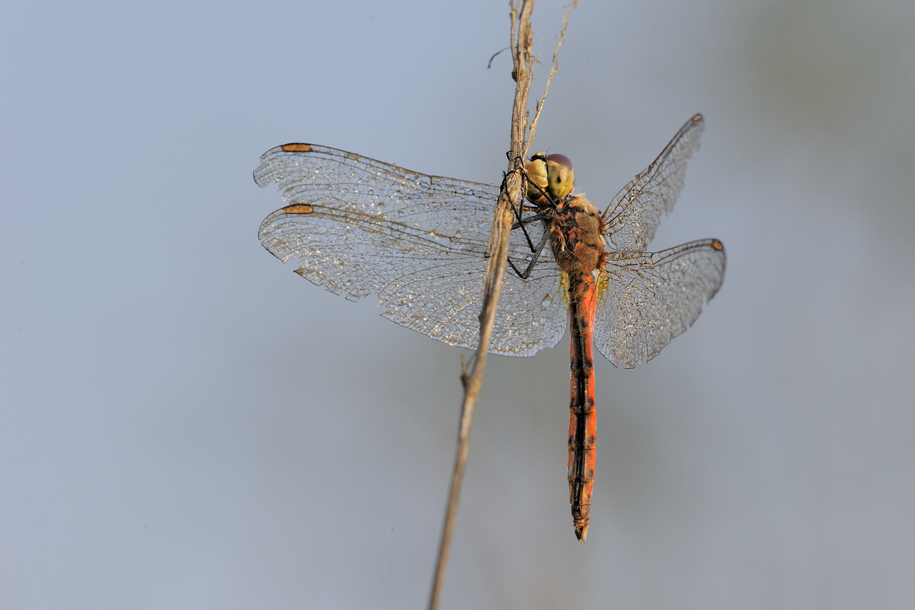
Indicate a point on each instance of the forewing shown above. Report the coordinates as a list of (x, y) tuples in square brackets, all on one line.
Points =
[(650, 298), (533, 313), (357, 226), (635, 213)]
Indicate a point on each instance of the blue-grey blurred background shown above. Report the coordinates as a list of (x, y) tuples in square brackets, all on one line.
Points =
[(185, 423)]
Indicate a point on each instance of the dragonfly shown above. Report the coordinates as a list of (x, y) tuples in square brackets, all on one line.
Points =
[(358, 227)]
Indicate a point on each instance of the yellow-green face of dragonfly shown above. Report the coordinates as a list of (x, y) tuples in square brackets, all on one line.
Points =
[(552, 173)]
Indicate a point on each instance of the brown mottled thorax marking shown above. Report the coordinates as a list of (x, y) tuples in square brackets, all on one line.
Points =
[(576, 236)]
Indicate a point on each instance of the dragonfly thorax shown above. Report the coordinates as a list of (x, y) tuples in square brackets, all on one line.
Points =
[(576, 236)]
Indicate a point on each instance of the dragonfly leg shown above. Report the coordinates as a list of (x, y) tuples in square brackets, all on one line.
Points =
[(530, 267), (520, 222), (526, 221)]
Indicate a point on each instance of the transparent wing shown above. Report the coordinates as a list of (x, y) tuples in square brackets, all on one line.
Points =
[(634, 214), (357, 226), (648, 298)]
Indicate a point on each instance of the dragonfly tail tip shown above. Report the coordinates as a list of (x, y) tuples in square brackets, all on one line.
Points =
[(581, 531)]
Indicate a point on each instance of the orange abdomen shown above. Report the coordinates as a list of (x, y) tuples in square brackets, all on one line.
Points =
[(582, 413)]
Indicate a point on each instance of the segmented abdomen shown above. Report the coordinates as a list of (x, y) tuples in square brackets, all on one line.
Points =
[(582, 413)]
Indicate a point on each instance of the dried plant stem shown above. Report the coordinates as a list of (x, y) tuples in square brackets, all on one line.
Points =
[(553, 70), (472, 377)]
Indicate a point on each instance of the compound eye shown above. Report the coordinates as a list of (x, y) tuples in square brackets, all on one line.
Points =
[(560, 175)]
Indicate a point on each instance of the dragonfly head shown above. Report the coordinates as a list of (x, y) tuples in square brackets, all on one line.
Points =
[(553, 173)]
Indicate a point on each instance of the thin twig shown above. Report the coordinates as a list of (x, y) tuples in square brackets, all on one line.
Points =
[(494, 55), (567, 9), (522, 62)]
